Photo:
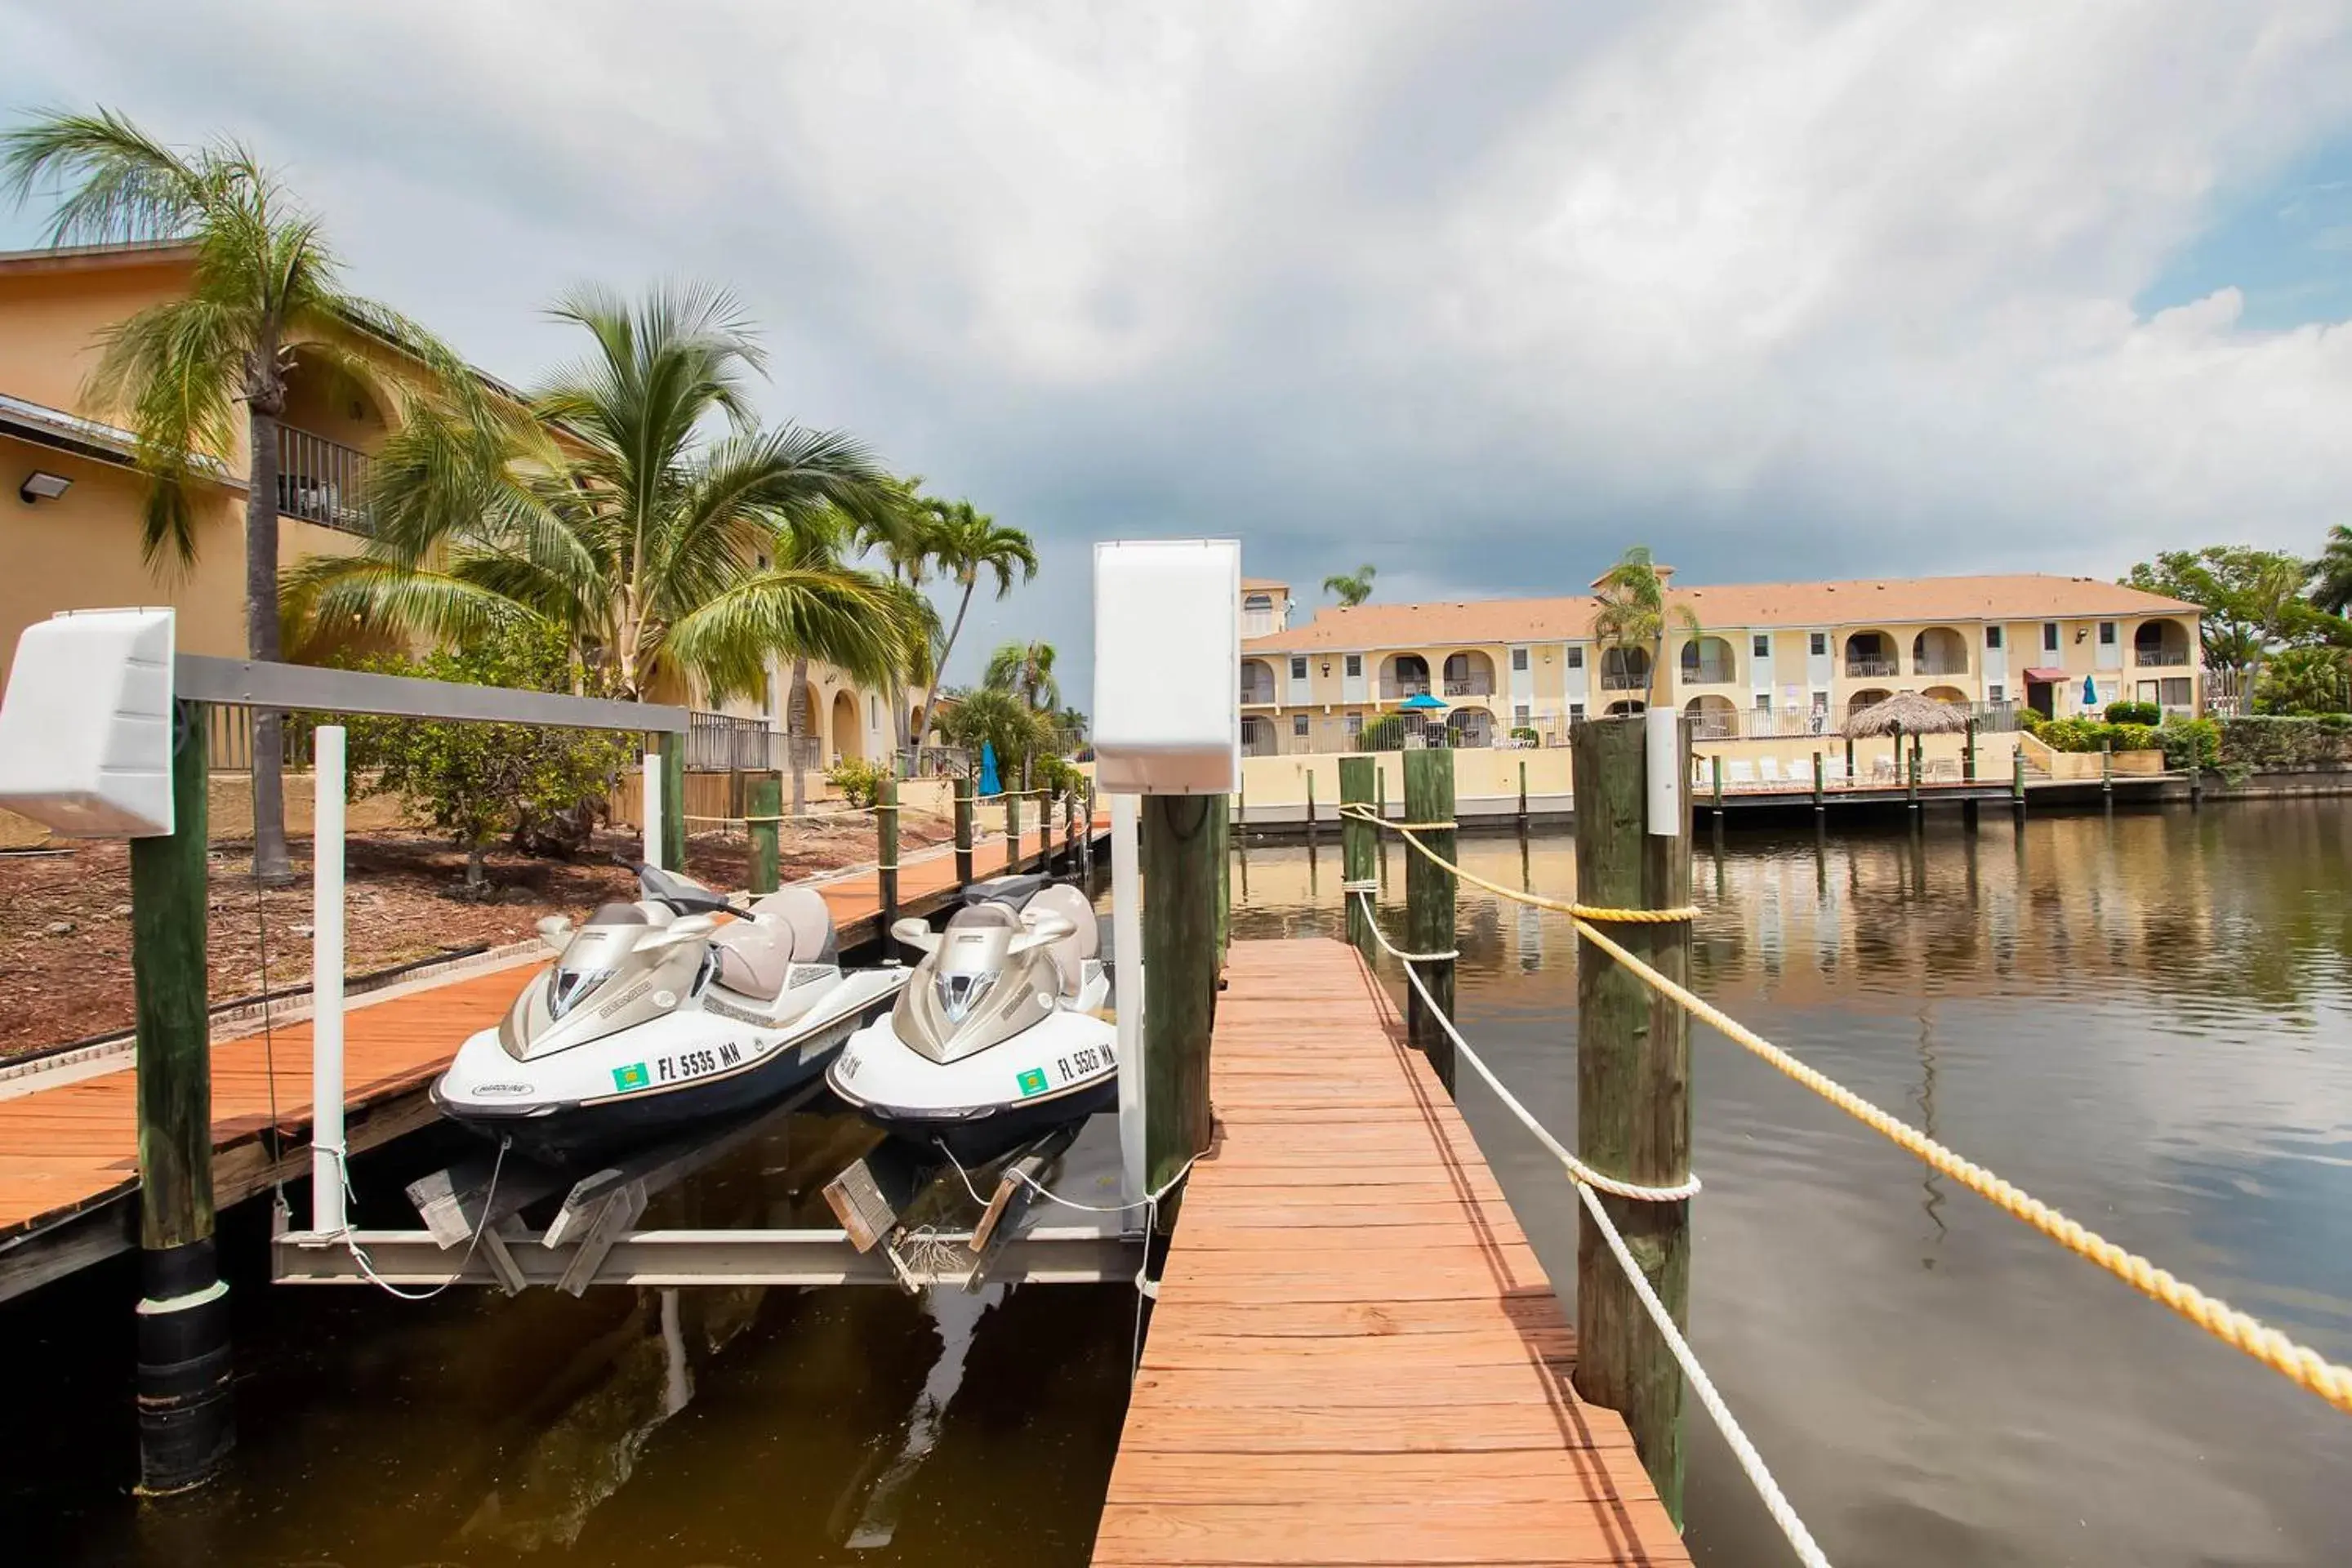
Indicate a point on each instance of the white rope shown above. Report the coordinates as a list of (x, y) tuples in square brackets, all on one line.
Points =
[(1586, 1181), (1576, 1168), (367, 1264), (1775, 1502)]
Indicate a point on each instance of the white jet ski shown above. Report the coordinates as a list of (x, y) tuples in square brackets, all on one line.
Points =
[(658, 1016), (1004, 1033)]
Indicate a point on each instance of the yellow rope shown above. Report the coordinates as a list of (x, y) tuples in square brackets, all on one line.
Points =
[(2300, 1364), (1581, 912)]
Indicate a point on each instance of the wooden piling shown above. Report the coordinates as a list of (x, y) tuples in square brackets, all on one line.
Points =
[(1820, 783), (1717, 760), (2106, 767), (2017, 783), (1356, 861), (185, 1415), (1179, 969), (1849, 762), (671, 746), (964, 806), (1429, 901), (1221, 850), (1633, 1113), (885, 856), (1523, 794), (763, 803), (1311, 802), (1969, 755), (1012, 831)]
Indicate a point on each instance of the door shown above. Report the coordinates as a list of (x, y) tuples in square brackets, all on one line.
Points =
[(2038, 698)]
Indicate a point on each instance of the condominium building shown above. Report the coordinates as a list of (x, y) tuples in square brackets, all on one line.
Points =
[(1771, 659)]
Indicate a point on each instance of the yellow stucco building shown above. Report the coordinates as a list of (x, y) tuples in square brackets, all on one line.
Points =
[(70, 494), (1773, 660)]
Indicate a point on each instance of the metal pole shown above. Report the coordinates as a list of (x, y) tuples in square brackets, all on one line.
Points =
[(327, 982), (1126, 978)]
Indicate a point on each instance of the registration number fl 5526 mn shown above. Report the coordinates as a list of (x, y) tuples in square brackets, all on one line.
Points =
[(1082, 1063)]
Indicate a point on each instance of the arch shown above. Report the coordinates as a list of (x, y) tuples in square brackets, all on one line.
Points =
[(1707, 661), (1869, 697), (1712, 718), (1870, 653), (2160, 642), (1403, 675), (1625, 669), (1624, 708), (1470, 725), (1951, 694), (847, 733), (1469, 673), (1257, 736), (1257, 681), (1939, 651)]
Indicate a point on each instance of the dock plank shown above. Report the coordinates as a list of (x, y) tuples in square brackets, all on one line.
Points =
[(1356, 1358)]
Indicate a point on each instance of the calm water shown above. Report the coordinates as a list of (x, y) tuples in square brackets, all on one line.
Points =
[(2146, 1021)]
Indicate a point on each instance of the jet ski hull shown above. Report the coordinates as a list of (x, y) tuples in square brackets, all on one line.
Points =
[(1061, 1069)]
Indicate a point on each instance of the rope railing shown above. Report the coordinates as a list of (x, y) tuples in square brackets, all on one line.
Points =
[(2299, 1363), (1588, 1181)]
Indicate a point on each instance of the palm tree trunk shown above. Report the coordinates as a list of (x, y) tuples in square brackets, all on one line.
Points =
[(903, 766), (939, 669), (796, 718), (271, 863)]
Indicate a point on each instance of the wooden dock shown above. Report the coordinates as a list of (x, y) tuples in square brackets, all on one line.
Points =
[(70, 1150), (1355, 1357)]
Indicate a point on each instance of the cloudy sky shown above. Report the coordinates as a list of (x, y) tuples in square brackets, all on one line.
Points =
[(1478, 292)]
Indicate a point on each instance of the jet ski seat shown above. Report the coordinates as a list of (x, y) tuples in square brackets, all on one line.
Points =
[(1071, 951), (756, 956)]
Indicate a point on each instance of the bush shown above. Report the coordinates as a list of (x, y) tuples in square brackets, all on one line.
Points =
[(1525, 732), (2144, 714), (2248, 744), (860, 782), (2030, 720), (1385, 733), (480, 783), (2090, 735), (2190, 743), (1060, 779)]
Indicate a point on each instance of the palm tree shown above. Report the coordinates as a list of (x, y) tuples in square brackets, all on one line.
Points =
[(1351, 591), (1070, 726), (967, 544), (267, 295), (1025, 669), (998, 717), (664, 555), (904, 529), (1634, 611), (2332, 590)]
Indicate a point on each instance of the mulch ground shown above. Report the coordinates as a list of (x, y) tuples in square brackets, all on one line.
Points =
[(64, 919)]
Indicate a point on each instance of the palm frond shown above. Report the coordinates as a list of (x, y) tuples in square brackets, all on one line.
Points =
[(126, 185), (846, 617)]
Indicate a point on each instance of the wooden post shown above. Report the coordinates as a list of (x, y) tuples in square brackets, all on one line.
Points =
[(763, 797), (1429, 902), (1968, 756), (2106, 767), (1908, 768), (1850, 777), (2017, 782), (186, 1423), (1717, 760), (1012, 831), (1044, 829), (1380, 789), (1086, 837), (964, 788), (1179, 969), (1221, 829), (1632, 1097), (672, 747), (1311, 802), (1820, 784), (1356, 775), (1523, 794), (885, 857)]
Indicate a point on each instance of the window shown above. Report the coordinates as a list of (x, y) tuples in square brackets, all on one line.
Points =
[(1519, 715), (1576, 658), (873, 710), (1992, 637), (1299, 672), (2106, 634), (1263, 602), (2173, 691), (1519, 659), (1761, 645), (1992, 692), (1819, 644), (2050, 636), (1575, 712), (1764, 702), (1354, 726), (1298, 725), (1821, 701), (1355, 667)]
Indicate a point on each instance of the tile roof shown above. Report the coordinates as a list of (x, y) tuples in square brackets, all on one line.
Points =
[(1726, 606), (1255, 584)]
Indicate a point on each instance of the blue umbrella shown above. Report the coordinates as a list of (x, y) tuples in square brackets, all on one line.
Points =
[(988, 782), (1422, 703), (2090, 692)]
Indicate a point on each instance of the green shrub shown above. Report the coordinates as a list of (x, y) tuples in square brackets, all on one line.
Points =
[(1385, 733), (2190, 743), (2030, 720), (860, 782), (1525, 732), (1060, 779), (2283, 743), (2090, 735), (2144, 714)]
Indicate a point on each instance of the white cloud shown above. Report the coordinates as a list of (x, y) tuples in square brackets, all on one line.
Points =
[(1478, 292)]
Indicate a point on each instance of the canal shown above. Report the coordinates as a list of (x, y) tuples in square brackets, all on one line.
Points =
[(2144, 1020)]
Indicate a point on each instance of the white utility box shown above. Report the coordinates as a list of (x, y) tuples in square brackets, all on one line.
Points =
[(86, 727), (1168, 657)]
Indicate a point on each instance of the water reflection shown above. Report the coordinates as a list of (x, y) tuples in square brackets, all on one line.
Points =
[(2144, 1018)]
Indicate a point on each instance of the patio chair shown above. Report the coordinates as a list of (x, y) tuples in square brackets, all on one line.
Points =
[(1768, 768), (1736, 774)]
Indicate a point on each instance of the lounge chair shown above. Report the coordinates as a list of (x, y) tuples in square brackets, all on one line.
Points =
[(1769, 769)]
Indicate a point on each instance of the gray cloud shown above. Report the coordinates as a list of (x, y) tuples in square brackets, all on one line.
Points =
[(1480, 293)]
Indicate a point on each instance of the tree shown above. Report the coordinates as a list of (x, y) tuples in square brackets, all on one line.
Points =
[(2331, 587), (1634, 613), (482, 783), (267, 295), (2250, 599), (906, 530), (1025, 669), (1351, 591), (1002, 718), (2307, 679), (968, 545), (662, 554), (1070, 727)]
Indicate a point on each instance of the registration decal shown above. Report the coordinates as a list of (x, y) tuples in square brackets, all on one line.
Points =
[(1033, 1082), (634, 1076)]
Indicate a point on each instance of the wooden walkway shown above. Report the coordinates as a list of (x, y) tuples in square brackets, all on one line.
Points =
[(1355, 1357), (70, 1150)]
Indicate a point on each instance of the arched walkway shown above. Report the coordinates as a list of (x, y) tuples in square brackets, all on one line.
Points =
[(846, 738), (1712, 718)]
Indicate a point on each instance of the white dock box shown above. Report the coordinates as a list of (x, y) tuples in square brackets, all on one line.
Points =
[(86, 727), (1168, 658)]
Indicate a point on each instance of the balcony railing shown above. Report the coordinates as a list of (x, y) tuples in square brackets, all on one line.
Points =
[(1258, 693), (1393, 687), (1879, 669), (322, 481), (2160, 657), (1708, 672), (1623, 680), (1470, 686), (1932, 665)]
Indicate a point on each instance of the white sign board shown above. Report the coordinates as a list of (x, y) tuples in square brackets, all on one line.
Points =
[(86, 727), (1167, 715)]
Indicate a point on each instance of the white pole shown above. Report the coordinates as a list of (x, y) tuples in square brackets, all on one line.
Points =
[(653, 807), (1127, 951), (327, 984), (1662, 739)]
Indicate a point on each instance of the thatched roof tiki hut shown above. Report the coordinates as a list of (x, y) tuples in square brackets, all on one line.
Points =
[(1906, 713)]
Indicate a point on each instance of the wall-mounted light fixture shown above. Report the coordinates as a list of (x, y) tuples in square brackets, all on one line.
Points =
[(40, 485), (2082, 632), (1327, 669)]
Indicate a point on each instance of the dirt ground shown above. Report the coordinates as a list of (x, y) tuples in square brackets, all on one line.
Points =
[(64, 919)]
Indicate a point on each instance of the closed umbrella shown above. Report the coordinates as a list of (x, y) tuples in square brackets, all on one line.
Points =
[(989, 782), (2090, 692)]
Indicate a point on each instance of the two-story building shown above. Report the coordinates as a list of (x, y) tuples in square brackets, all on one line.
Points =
[(1771, 659), (71, 494)]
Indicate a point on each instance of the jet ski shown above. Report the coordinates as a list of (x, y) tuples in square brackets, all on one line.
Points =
[(680, 1009), (1003, 1034)]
